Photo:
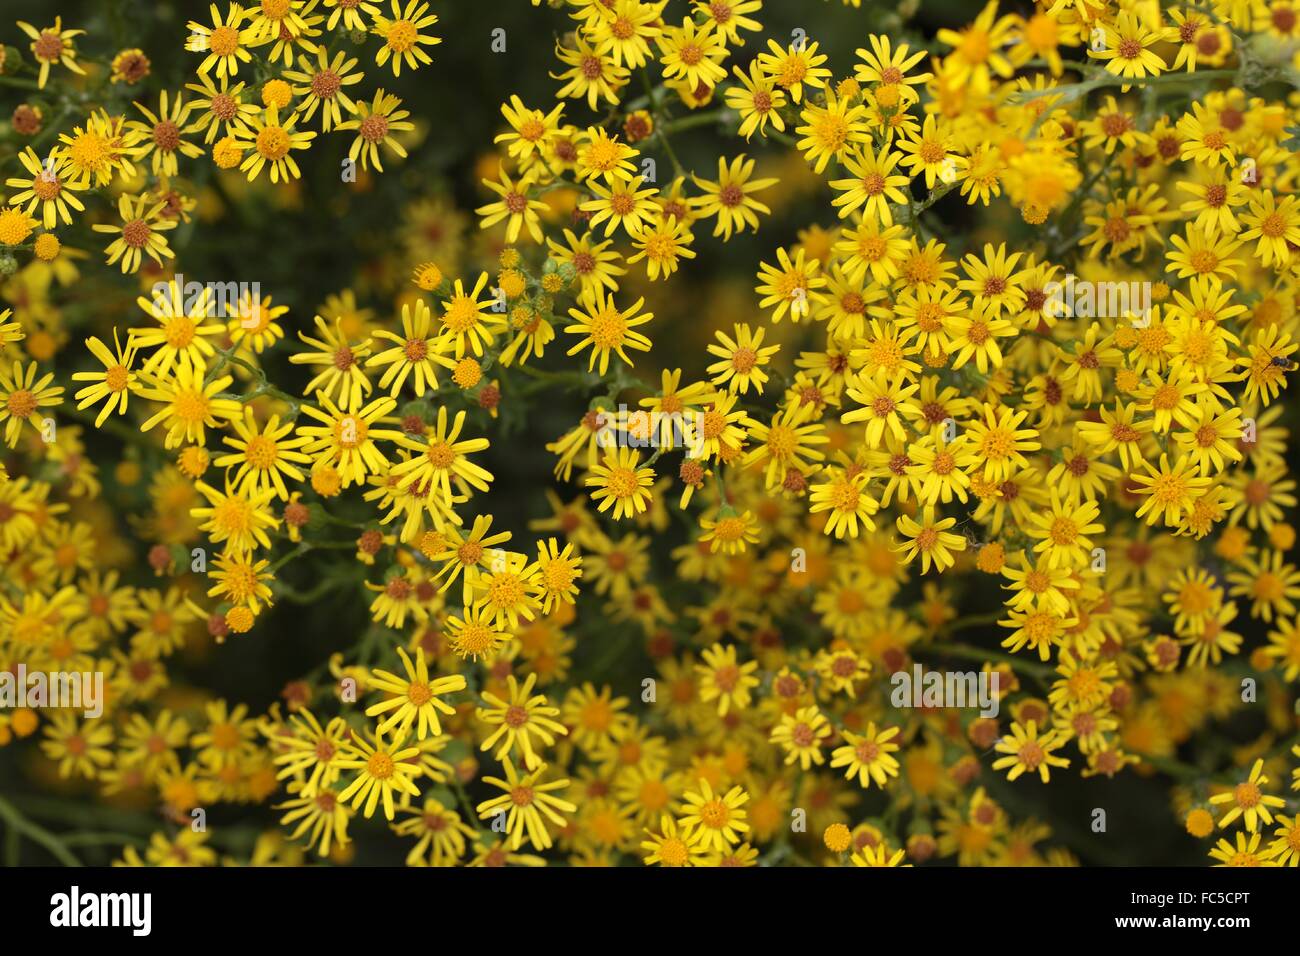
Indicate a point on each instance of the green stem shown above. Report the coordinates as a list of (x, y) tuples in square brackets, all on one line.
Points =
[(37, 834)]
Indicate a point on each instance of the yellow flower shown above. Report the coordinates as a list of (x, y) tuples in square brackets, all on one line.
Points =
[(383, 768), (225, 42), (607, 329), (51, 187), (528, 804), (725, 680), (519, 717), (404, 35), (621, 483), (1247, 800), (270, 142), (346, 439), (414, 355), (414, 700), (1125, 47), (929, 539), (22, 396), (140, 234), (729, 197), (514, 206), (1029, 752), (53, 45), (716, 820), (115, 383), (868, 756)]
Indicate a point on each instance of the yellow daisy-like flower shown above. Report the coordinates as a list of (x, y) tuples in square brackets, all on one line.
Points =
[(226, 42), (140, 233), (414, 699), (468, 324), (345, 440), (383, 768), (414, 355), (729, 197), (716, 820), (1246, 853), (1126, 47), (264, 456), (607, 329), (375, 123), (325, 87), (1247, 800), (163, 136), (520, 717), (515, 207), (51, 187), (690, 54), (1276, 226), (830, 131), (730, 532), (115, 383), (527, 804), (191, 405), (240, 518), (53, 45), (441, 459), (1029, 751), (795, 67), (271, 143), (590, 75), (673, 846), (558, 571), (404, 36), (977, 52), (22, 396), (929, 539), (620, 483), (80, 747), (99, 149), (868, 756), (530, 129), (758, 100), (742, 359), (661, 243), (725, 680), (873, 186)]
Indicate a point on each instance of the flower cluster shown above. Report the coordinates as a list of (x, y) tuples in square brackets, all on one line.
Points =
[(1011, 398)]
